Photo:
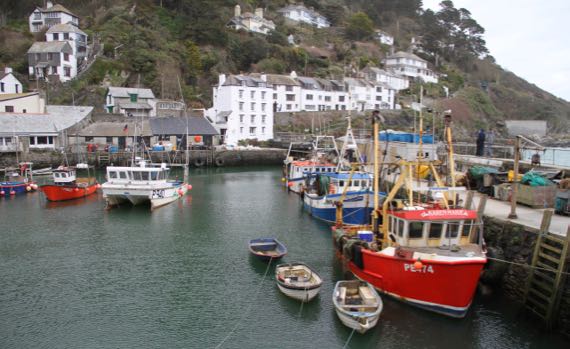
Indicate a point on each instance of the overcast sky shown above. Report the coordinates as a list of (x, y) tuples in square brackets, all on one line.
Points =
[(531, 38)]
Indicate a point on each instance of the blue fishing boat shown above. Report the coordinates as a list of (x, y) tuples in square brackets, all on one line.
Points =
[(267, 248), (18, 181), (354, 192)]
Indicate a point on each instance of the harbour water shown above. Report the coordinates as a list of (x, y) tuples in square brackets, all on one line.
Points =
[(73, 275)]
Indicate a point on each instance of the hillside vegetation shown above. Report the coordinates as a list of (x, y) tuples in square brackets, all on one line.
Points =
[(162, 44)]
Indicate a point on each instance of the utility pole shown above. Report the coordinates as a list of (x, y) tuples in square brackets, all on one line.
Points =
[(513, 214)]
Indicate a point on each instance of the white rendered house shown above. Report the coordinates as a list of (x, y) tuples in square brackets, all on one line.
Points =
[(49, 16), (253, 22), (76, 38), (9, 83), (299, 13), (52, 59), (384, 37), (242, 108), (368, 95), (411, 66), (130, 101), (395, 81)]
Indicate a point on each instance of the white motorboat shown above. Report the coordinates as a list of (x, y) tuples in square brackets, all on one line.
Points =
[(357, 304), (298, 281), (141, 184)]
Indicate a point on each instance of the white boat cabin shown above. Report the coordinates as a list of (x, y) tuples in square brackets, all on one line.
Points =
[(340, 181), (137, 174), (422, 227), (299, 168), (64, 176)]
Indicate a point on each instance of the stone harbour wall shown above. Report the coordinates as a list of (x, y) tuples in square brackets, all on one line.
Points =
[(515, 243)]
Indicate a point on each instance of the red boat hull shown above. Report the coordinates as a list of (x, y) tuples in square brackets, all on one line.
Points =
[(445, 287), (67, 192)]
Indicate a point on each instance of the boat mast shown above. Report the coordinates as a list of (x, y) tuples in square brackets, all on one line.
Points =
[(187, 157), (450, 159), (376, 118)]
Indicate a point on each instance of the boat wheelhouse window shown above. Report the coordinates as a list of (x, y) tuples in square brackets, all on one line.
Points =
[(415, 230), (452, 229), (356, 183), (400, 227), (136, 176), (112, 174), (467, 228), (144, 176), (341, 183), (154, 176), (435, 230), (123, 175), (56, 174)]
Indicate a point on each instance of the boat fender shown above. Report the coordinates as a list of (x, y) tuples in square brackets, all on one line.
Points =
[(341, 241), (347, 251), (199, 162), (493, 271), (357, 256), (219, 162)]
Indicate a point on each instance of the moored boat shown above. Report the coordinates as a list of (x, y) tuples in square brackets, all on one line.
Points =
[(298, 281), (18, 181), (67, 186), (427, 250), (295, 170), (353, 191), (357, 304), (267, 249), (140, 184)]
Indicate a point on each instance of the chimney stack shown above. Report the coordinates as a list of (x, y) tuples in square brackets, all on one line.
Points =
[(49, 4), (7, 70), (222, 79), (259, 12), (237, 11)]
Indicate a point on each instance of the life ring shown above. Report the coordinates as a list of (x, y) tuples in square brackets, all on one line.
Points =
[(199, 162), (219, 162)]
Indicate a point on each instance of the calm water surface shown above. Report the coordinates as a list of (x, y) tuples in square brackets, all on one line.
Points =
[(73, 275)]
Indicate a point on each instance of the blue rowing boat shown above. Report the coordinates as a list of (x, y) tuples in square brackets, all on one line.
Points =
[(267, 248)]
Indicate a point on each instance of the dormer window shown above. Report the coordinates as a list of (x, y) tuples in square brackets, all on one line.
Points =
[(134, 97), (65, 36)]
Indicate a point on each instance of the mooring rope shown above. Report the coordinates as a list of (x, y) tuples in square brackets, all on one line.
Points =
[(348, 340), (248, 308), (552, 270)]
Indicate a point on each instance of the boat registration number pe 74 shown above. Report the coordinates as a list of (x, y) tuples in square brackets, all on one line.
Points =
[(423, 269), (158, 194)]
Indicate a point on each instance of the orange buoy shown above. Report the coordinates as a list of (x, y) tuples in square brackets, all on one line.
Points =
[(418, 264)]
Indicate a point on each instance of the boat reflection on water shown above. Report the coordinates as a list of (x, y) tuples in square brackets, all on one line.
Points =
[(86, 200)]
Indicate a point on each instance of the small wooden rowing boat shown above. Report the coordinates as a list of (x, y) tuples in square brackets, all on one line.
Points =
[(357, 304), (298, 281), (267, 248)]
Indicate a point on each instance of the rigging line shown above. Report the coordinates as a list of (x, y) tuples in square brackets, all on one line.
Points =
[(303, 302), (527, 266), (248, 308), (348, 340)]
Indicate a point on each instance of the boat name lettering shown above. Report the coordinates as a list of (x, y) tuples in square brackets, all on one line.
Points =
[(443, 213), (158, 193), (423, 269)]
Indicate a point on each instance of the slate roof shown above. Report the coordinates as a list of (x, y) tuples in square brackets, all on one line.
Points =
[(177, 126), (8, 96), (139, 105), (115, 129), (57, 118), (276, 79), (51, 46), (236, 80), (65, 28), (123, 92), (57, 8), (401, 54)]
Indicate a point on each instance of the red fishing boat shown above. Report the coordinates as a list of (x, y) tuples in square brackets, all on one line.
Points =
[(429, 254), (67, 186)]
